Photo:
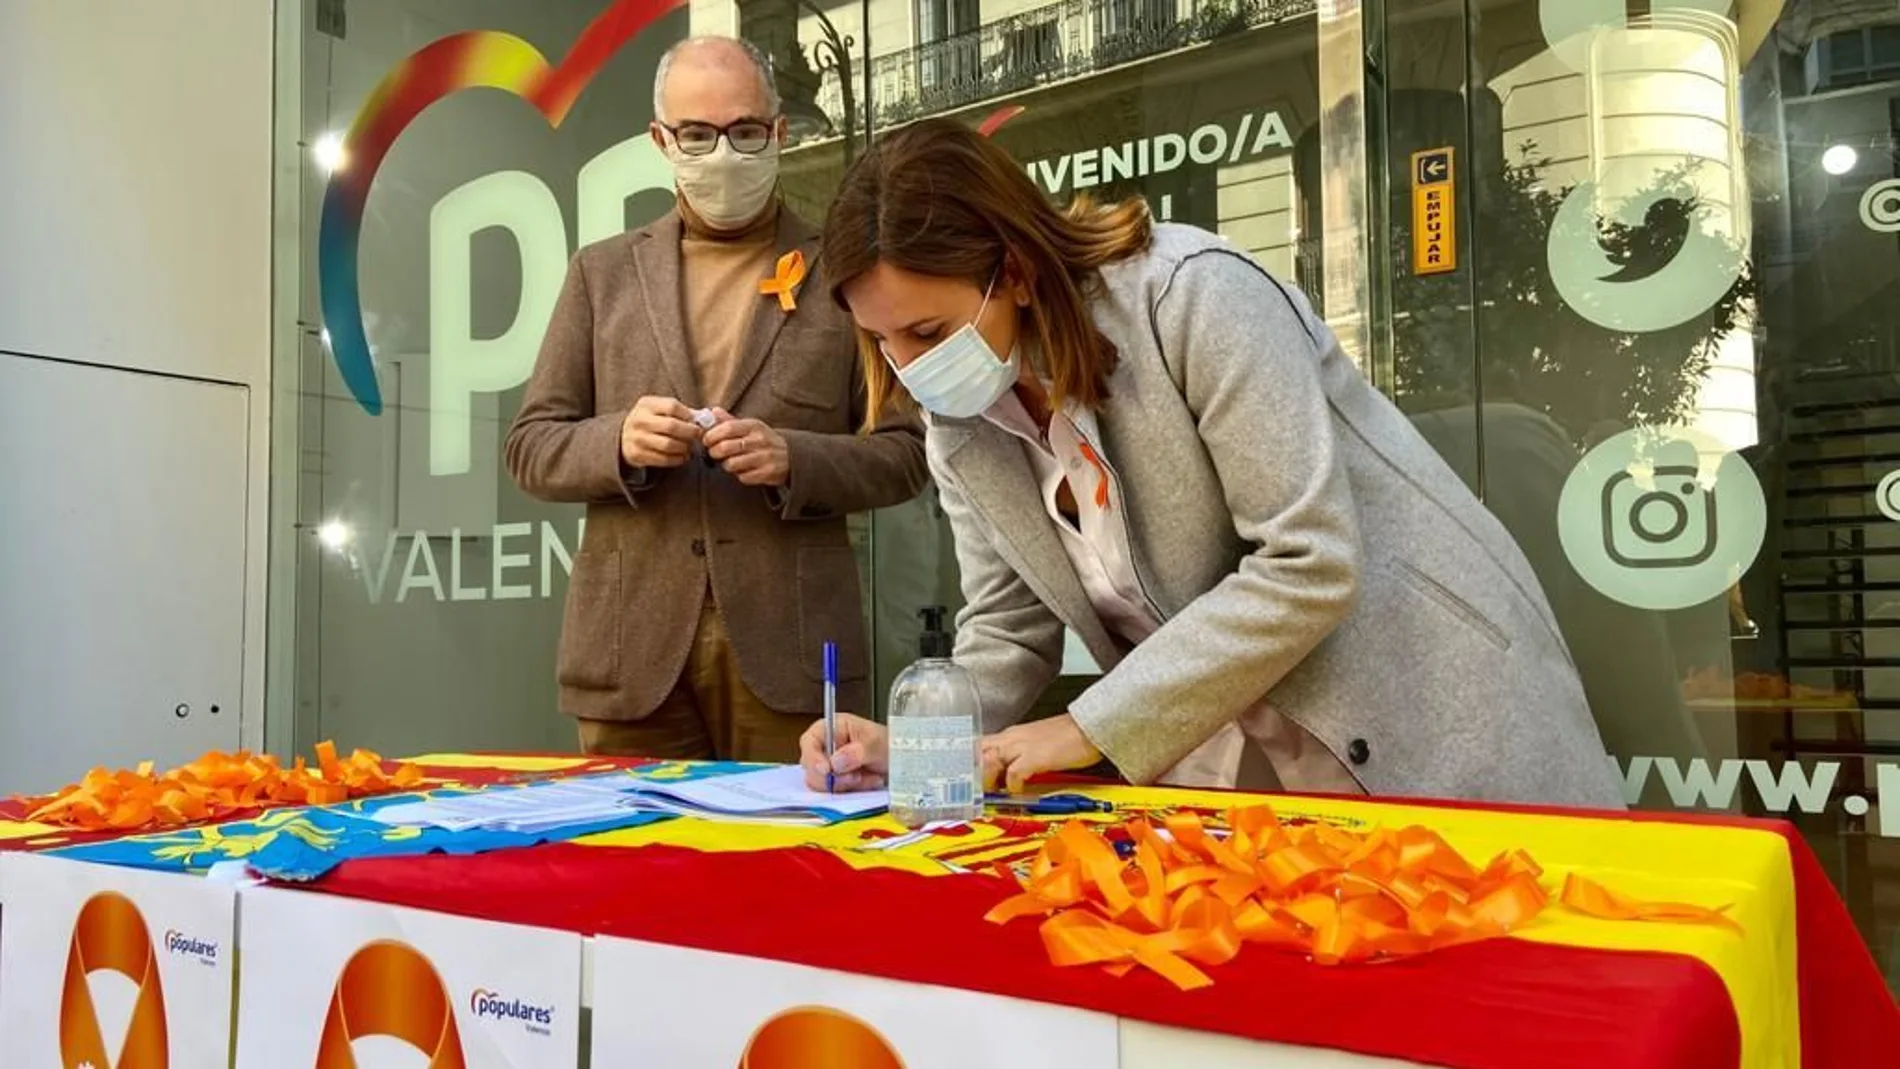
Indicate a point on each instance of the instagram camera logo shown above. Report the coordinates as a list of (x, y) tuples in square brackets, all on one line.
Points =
[(1662, 518), (1683, 537)]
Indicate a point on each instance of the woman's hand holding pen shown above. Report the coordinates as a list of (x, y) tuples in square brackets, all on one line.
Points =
[(860, 761)]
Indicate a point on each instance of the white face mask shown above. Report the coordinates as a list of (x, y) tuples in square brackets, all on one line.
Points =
[(726, 188), (960, 376)]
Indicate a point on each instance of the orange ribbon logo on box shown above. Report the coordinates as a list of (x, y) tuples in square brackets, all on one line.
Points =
[(817, 1037), (110, 934), (787, 275), (390, 989)]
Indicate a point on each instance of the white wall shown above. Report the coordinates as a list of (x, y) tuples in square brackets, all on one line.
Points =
[(135, 212)]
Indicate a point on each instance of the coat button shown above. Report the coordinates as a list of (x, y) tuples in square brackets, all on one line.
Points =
[(1358, 752), (699, 547)]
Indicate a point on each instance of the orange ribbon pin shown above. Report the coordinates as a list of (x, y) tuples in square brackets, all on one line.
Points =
[(787, 276), (390, 989), (1192, 897), (811, 1036), (110, 934), (1101, 474)]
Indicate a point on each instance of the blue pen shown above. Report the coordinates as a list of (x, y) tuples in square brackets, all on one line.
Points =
[(1048, 805), (831, 713)]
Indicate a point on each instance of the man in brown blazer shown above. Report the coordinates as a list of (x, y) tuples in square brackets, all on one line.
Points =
[(710, 424)]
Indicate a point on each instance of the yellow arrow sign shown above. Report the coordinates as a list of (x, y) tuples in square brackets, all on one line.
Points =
[(1434, 212)]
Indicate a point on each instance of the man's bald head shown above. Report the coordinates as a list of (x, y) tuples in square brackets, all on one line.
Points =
[(715, 80)]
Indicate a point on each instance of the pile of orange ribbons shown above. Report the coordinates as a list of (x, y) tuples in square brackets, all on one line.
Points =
[(1190, 897), (215, 785)]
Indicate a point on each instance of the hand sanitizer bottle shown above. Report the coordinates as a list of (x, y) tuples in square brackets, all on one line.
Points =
[(935, 771)]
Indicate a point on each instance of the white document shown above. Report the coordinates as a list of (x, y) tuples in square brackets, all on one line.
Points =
[(670, 1007), (534, 808), (775, 795), (334, 981), (113, 966)]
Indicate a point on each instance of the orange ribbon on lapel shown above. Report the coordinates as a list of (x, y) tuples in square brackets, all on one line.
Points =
[(390, 989), (1101, 474), (1190, 897), (787, 276), (110, 934), (818, 1037)]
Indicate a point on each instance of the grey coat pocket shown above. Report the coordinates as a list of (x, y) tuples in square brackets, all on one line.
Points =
[(1446, 599)]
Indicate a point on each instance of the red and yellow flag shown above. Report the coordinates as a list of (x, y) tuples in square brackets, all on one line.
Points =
[(1744, 873)]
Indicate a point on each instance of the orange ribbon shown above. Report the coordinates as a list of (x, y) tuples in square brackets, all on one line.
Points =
[(1191, 898), (787, 275), (390, 989), (1592, 899), (214, 785), (818, 1036), (1101, 474), (110, 934)]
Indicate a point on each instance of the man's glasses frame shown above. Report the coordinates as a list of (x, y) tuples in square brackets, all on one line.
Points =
[(748, 136)]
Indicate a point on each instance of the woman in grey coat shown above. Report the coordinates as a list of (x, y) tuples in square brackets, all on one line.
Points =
[(1139, 434)]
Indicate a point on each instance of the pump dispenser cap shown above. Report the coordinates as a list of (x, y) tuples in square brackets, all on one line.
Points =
[(936, 643)]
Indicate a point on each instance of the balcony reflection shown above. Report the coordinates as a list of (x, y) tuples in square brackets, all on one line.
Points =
[(1053, 43)]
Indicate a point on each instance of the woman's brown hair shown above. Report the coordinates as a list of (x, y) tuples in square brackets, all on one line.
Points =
[(937, 198)]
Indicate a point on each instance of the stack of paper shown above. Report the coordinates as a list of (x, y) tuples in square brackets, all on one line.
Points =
[(775, 795), (534, 809)]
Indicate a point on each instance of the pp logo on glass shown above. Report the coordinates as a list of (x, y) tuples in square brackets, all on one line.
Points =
[(1662, 518), (1880, 207), (1887, 496)]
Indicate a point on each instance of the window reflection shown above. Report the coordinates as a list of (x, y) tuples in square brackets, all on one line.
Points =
[(1669, 215)]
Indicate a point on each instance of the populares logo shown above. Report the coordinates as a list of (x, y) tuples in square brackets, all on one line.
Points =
[(110, 934), (485, 1003), (474, 59), (177, 942)]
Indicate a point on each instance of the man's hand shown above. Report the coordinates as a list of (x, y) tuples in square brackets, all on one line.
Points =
[(860, 763), (750, 451), (658, 433), (1017, 754)]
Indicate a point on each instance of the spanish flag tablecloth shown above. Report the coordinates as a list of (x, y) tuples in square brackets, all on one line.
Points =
[(1794, 987)]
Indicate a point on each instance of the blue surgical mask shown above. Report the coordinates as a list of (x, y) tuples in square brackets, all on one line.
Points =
[(961, 376)]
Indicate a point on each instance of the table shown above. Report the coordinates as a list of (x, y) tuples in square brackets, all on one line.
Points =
[(1797, 987)]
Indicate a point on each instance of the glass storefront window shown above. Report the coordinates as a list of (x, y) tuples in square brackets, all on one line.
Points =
[(1194, 106), (1665, 359), (428, 588), (1628, 267)]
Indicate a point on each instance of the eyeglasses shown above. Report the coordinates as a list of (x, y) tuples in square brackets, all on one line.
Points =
[(748, 137)]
